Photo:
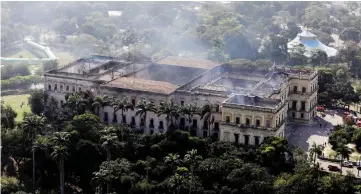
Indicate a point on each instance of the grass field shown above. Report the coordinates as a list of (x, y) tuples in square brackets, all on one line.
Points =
[(23, 53), (64, 57), (15, 101)]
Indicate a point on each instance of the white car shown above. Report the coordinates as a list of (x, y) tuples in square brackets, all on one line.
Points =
[(347, 164)]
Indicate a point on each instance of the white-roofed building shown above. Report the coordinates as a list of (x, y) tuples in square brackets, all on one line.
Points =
[(310, 42)]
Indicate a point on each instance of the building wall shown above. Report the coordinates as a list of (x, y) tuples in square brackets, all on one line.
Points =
[(182, 97)]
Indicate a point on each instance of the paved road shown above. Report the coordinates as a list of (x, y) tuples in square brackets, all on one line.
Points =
[(304, 136), (324, 164)]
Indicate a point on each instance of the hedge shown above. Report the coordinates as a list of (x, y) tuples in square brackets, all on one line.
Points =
[(21, 82)]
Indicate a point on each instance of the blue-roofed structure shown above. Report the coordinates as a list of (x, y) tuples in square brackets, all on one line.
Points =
[(310, 42)]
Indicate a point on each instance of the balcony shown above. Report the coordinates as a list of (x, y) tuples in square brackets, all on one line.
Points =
[(244, 126)]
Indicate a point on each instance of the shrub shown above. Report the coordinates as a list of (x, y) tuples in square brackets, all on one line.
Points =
[(20, 82)]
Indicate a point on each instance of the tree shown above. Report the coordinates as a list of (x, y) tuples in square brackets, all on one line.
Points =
[(343, 151), (122, 105), (297, 56), (143, 108), (36, 101), (351, 54), (173, 160), (109, 139), (192, 159), (350, 33), (8, 116), (318, 57), (190, 110), (207, 111), (275, 48), (32, 124), (76, 103), (315, 151), (60, 141), (100, 102), (170, 110)]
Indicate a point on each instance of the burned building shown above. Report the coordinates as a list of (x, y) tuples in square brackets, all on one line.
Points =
[(248, 105)]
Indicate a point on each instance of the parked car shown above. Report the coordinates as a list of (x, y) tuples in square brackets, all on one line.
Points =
[(334, 168), (347, 164)]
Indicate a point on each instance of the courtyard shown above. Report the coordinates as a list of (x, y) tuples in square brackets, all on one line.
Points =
[(304, 136)]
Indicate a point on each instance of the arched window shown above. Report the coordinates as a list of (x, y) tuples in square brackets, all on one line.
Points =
[(79, 89), (61, 87), (56, 87), (73, 88), (67, 88), (49, 87)]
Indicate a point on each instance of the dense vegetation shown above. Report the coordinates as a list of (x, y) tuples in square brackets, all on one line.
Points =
[(70, 149), (90, 157)]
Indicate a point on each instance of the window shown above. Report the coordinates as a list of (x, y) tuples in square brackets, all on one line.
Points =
[(115, 119), (236, 138), (216, 125), (73, 89), (246, 139), (61, 87), (256, 140), (182, 103), (303, 90), (303, 106), (79, 89), (151, 123), (182, 122), (133, 102), (217, 107), (205, 134), (258, 122), (293, 115), (56, 87), (67, 88), (133, 121), (61, 103), (105, 116), (142, 122), (228, 119), (161, 125), (248, 122), (268, 123), (49, 87), (294, 105), (151, 132), (302, 115), (205, 125), (194, 124), (226, 136), (124, 119), (238, 120), (294, 88)]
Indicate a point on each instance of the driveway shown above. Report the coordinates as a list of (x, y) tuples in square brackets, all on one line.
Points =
[(303, 136)]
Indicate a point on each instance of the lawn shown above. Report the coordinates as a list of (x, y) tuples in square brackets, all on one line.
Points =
[(15, 101), (24, 53), (64, 57)]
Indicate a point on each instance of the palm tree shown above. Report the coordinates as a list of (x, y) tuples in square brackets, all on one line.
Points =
[(190, 110), (315, 151), (109, 139), (33, 124), (343, 151), (143, 108), (76, 102), (192, 159), (172, 160), (100, 102), (207, 115), (60, 142), (123, 105), (170, 110)]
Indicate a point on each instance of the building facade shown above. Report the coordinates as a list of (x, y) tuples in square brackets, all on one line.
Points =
[(248, 106)]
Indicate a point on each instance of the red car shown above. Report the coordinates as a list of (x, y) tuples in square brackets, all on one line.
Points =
[(334, 168)]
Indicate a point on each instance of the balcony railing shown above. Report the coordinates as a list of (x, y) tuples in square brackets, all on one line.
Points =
[(244, 126)]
